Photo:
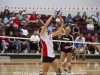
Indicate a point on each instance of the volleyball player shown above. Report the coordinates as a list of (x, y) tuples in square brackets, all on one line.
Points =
[(66, 50), (47, 44)]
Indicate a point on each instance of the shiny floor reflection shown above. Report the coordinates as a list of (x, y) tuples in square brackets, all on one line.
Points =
[(32, 67)]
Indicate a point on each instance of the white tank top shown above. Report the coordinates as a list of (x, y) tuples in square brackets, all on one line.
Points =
[(47, 44)]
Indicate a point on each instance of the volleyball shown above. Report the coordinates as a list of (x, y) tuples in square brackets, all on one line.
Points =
[(58, 12)]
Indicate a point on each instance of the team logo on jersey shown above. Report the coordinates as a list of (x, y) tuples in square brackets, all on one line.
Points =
[(67, 39)]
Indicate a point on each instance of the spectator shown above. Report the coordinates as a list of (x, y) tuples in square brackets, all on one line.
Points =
[(7, 21), (27, 16), (90, 47), (12, 16), (35, 42), (5, 14), (79, 48), (24, 21), (33, 18), (11, 28), (95, 38), (20, 15), (25, 31), (96, 18), (14, 42), (56, 26), (69, 19), (50, 28), (84, 16), (16, 21), (90, 26), (77, 17), (4, 42), (82, 38), (24, 12), (89, 19), (24, 42), (76, 29)]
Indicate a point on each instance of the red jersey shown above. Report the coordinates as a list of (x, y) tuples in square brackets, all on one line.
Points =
[(4, 38), (33, 17), (16, 21)]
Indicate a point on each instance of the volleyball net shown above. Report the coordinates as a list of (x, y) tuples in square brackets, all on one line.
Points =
[(95, 45)]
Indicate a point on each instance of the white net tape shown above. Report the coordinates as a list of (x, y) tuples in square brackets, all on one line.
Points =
[(53, 40)]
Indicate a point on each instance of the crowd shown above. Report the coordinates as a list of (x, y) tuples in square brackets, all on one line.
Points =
[(27, 26)]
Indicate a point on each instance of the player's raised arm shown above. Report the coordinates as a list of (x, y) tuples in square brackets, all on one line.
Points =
[(60, 29), (44, 29)]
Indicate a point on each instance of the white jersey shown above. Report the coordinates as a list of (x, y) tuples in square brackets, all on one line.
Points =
[(47, 44)]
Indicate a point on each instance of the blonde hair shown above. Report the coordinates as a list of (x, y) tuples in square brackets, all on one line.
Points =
[(68, 28)]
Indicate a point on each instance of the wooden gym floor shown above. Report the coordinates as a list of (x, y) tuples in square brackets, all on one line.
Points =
[(32, 67)]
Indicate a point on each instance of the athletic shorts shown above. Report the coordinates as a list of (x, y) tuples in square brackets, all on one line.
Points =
[(48, 59), (67, 50)]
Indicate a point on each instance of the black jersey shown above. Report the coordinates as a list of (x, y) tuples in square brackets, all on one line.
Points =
[(66, 43)]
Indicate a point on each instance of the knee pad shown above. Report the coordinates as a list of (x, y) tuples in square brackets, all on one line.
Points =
[(69, 64), (59, 72)]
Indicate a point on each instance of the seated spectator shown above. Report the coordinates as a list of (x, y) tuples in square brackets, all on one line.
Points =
[(5, 14), (33, 18), (95, 38), (55, 27), (14, 42), (27, 16), (77, 17), (96, 18), (89, 19), (11, 28), (7, 21), (24, 12), (34, 42), (69, 19), (4, 42), (20, 15), (16, 21), (1, 25), (24, 42), (84, 16), (24, 21), (79, 48), (90, 47), (90, 26), (12, 16), (76, 29), (25, 31), (80, 36), (50, 28)]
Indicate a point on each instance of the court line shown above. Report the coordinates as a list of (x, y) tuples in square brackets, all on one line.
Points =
[(38, 63)]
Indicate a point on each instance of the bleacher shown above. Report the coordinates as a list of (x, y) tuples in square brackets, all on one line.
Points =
[(44, 17)]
